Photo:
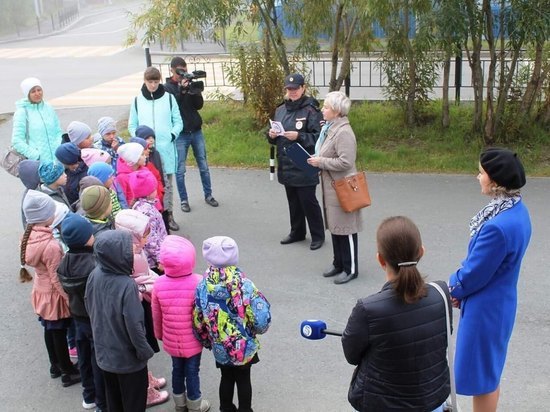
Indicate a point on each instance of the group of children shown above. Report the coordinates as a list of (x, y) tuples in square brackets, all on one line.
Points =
[(104, 262)]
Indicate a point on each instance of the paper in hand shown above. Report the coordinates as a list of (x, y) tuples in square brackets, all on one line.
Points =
[(278, 127)]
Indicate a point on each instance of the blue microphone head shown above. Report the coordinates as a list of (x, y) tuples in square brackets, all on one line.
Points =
[(313, 329)]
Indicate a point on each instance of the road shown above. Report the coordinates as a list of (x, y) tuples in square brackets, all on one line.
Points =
[(87, 65)]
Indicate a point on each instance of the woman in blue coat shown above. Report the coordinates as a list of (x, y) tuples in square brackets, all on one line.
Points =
[(485, 286), (36, 129)]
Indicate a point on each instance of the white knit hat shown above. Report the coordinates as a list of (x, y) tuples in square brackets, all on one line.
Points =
[(28, 84), (130, 152)]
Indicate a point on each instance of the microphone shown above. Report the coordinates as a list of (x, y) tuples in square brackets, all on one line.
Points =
[(316, 329)]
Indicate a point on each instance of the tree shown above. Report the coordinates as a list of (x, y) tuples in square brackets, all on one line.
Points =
[(408, 61)]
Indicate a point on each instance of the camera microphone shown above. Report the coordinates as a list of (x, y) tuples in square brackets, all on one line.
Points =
[(316, 329)]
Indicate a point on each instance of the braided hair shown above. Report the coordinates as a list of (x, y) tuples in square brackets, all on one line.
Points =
[(24, 275)]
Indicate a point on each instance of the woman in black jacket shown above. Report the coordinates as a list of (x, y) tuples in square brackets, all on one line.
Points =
[(397, 337), (301, 120)]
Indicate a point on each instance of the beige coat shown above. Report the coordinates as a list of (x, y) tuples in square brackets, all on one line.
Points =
[(337, 155)]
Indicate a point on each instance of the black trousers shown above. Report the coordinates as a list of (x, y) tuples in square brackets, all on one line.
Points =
[(232, 375), (126, 392), (58, 352), (303, 205), (344, 248)]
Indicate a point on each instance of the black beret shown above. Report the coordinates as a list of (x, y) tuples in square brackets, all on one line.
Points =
[(503, 167)]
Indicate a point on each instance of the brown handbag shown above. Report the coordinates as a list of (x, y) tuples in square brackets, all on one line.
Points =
[(352, 191)]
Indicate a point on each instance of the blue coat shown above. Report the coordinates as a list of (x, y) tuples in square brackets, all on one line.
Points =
[(487, 286), (160, 112), (44, 130)]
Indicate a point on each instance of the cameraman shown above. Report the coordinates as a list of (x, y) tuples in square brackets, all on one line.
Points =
[(190, 101)]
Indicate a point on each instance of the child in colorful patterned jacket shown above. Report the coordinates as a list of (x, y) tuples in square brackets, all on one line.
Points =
[(229, 312)]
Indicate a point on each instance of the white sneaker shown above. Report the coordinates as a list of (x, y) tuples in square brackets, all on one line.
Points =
[(86, 405)]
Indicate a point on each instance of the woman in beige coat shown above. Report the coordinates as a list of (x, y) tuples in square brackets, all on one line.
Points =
[(335, 154)]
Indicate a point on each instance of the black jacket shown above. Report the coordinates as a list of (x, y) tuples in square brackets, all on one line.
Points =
[(189, 105), (400, 350), (302, 115), (112, 301), (73, 272)]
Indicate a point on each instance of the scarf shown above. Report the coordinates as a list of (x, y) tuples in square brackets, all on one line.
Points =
[(495, 206), (322, 136)]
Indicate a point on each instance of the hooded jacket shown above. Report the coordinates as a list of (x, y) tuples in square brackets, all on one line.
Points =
[(44, 253), (174, 299), (73, 272), (303, 116), (73, 181), (44, 134), (114, 307), (229, 312), (159, 111)]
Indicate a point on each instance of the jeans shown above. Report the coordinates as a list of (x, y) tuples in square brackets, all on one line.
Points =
[(196, 141), (185, 373), (93, 386)]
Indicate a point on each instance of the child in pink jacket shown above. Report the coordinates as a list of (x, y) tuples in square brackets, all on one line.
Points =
[(173, 302)]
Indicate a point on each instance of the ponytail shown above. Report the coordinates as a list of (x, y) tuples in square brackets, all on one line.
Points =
[(400, 244), (24, 275)]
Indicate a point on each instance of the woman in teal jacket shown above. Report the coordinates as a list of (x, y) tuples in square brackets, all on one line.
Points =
[(485, 286), (36, 129)]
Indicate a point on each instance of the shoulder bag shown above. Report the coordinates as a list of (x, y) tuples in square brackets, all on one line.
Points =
[(352, 191), (11, 158), (450, 405)]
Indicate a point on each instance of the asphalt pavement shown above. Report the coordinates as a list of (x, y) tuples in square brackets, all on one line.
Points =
[(293, 374)]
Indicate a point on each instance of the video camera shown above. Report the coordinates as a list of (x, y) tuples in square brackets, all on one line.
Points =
[(193, 85)]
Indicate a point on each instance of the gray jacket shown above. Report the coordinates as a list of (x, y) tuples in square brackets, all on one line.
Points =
[(337, 156), (114, 308)]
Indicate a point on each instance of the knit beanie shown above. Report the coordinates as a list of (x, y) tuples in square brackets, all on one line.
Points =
[(28, 173), (78, 132), (503, 167), (38, 207), (106, 125), (102, 171), (28, 84), (144, 132), (91, 155), (61, 211), (49, 172), (76, 230), (139, 140), (134, 222), (95, 201), (67, 153), (177, 255), (130, 152), (220, 251), (143, 183), (88, 181)]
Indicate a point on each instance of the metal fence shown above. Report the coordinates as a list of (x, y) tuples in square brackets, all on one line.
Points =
[(367, 80)]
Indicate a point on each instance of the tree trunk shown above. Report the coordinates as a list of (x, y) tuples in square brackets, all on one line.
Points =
[(445, 117), (411, 118), (345, 68), (535, 82), (332, 86), (489, 129), (474, 60), (273, 32)]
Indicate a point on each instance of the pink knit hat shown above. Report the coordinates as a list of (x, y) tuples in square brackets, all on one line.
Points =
[(143, 183), (91, 155), (177, 255)]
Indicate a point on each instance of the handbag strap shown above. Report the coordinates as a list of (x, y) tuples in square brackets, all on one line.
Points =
[(26, 126), (450, 346)]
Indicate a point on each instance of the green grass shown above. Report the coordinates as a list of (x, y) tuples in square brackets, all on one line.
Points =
[(384, 143)]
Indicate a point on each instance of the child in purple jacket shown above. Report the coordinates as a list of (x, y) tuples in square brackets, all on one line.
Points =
[(144, 187)]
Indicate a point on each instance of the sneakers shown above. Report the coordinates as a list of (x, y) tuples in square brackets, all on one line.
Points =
[(73, 352), (156, 383), (185, 206), (156, 397), (87, 405), (211, 201)]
